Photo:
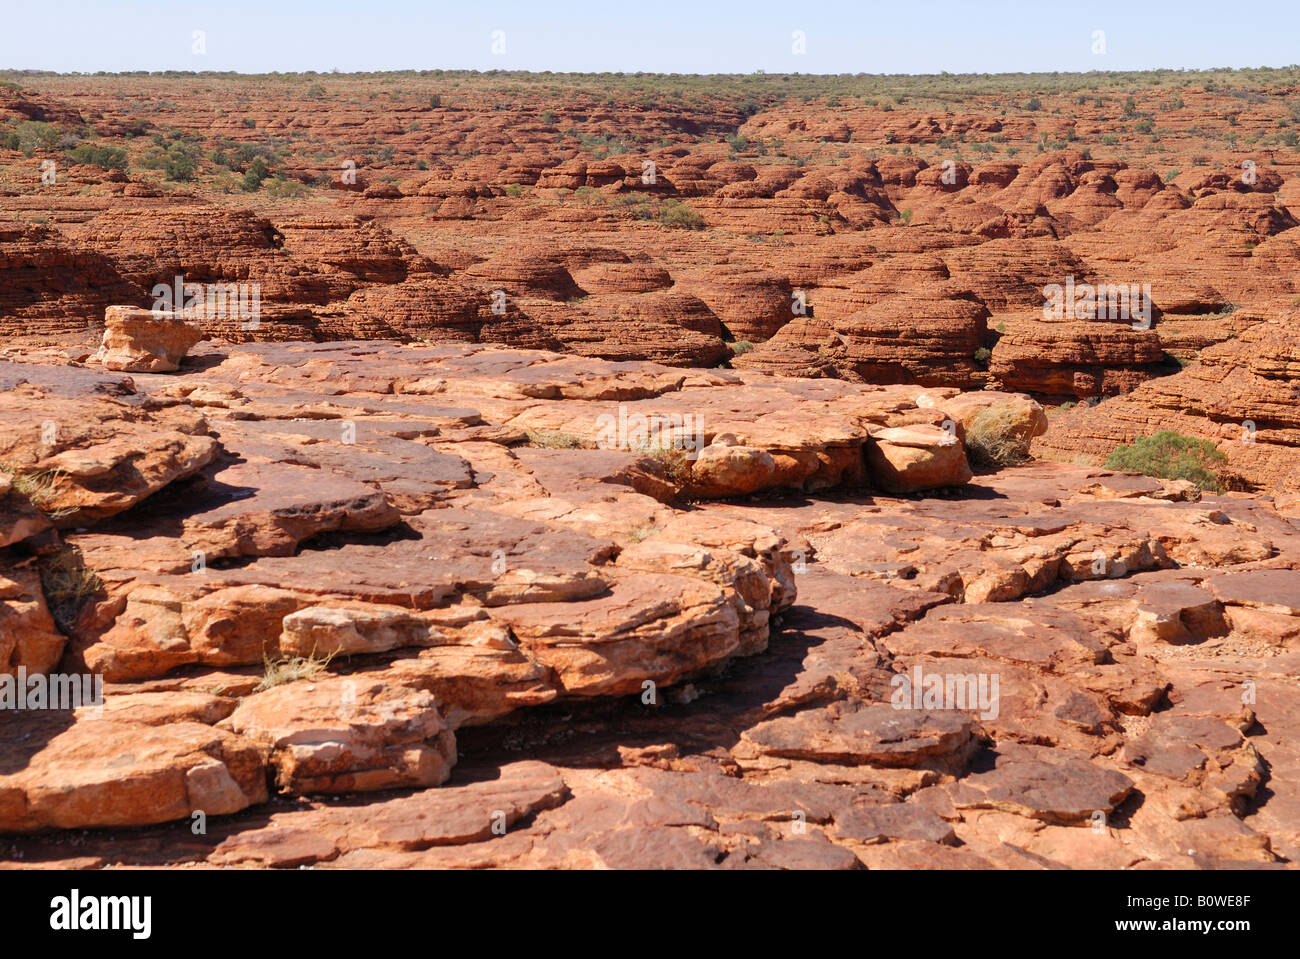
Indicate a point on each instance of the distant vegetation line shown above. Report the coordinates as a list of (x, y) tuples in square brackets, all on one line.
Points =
[(860, 84)]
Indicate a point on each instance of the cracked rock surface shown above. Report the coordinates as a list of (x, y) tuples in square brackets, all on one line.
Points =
[(364, 604)]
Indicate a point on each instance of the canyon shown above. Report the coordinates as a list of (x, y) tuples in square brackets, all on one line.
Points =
[(595, 461)]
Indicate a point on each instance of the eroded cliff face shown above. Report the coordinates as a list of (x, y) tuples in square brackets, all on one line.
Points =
[(907, 242), (311, 570)]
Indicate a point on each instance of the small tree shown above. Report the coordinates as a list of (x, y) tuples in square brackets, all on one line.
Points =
[(257, 172), (32, 135)]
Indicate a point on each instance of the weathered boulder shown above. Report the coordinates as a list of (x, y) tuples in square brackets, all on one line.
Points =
[(145, 341), (912, 459)]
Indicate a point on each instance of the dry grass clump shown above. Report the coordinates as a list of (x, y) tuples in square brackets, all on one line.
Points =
[(68, 584), (41, 489), (290, 669), (675, 463), (997, 436), (556, 440)]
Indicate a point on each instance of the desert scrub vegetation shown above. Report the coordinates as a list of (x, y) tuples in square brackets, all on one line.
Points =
[(557, 440), (673, 214), (998, 436), (748, 93), (67, 584), (280, 188), (108, 158), (278, 670), (674, 462), (40, 488), (30, 136), (678, 216), (1170, 455), (179, 160)]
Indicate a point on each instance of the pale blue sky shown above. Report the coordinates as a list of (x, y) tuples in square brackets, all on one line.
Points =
[(674, 36)]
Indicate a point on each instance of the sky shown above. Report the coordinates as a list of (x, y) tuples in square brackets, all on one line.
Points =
[(659, 36)]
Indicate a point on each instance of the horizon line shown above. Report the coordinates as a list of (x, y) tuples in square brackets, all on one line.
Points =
[(409, 71)]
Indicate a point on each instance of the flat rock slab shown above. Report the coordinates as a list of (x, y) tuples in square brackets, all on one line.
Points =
[(896, 821), (1267, 589), (1048, 784), (65, 773), (451, 816), (340, 734), (853, 732)]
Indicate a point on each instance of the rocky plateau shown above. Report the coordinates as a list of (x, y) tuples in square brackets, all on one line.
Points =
[(582, 479)]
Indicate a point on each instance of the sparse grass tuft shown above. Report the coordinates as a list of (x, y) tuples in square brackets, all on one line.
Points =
[(41, 489), (642, 533), (676, 466), (996, 437), (67, 584), (557, 440), (290, 669)]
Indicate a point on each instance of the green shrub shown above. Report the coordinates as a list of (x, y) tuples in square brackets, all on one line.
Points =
[(32, 135), (678, 216), (110, 158), (178, 161), (280, 188), (257, 172), (1170, 455)]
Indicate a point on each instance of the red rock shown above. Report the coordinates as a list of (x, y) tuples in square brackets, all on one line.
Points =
[(143, 341)]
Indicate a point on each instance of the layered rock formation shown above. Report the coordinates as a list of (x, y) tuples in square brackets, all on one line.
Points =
[(573, 605), (1242, 395), (492, 517)]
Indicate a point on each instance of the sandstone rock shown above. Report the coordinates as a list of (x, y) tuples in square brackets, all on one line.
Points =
[(107, 773), (397, 471), (914, 458), (347, 735), (1043, 784), (143, 341)]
